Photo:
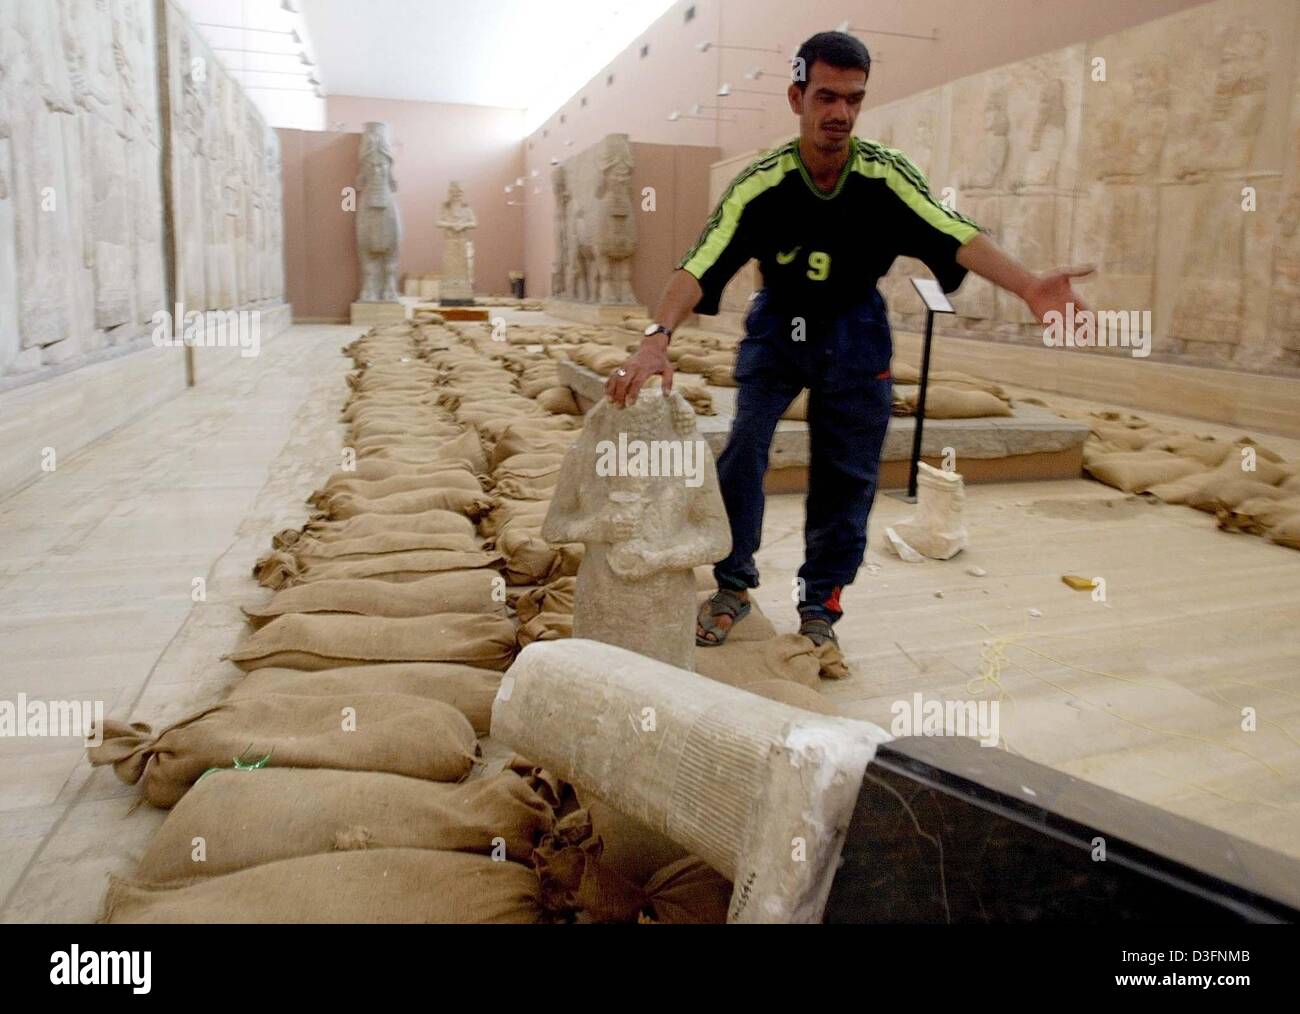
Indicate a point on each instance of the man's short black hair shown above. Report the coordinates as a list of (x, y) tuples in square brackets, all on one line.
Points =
[(839, 49)]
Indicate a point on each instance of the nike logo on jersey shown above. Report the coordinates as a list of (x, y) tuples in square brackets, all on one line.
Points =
[(786, 258)]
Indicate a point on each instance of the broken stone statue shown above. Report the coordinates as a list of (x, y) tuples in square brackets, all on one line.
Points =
[(639, 487), (936, 530)]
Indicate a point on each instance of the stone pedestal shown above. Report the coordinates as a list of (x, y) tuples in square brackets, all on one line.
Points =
[(592, 313), (370, 314)]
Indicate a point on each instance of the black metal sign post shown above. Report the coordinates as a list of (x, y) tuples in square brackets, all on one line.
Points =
[(935, 302)]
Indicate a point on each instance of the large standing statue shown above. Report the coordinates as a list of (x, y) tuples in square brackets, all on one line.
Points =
[(615, 240), (640, 488), (456, 286), (379, 230), (560, 225)]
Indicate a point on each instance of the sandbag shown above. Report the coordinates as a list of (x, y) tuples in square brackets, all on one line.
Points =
[(374, 489), (521, 439), (310, 551), (953, 403), (554, 597), (453, 591), (1209, 452), (545, 627), (533, 512), (392, 732), (530, 559), (1286, 531), (312, 642), (689, 891), (560, 400), (359, 526), (348, 505), (628, 846), (468, 689), (790, 657), (369, 886), (247, 818), (794, 694), (413, 566), (573, 878), (1136, 471), (721, 376), (1219, 491)]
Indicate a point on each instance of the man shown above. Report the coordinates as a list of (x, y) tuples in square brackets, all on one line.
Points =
[(825, 215)]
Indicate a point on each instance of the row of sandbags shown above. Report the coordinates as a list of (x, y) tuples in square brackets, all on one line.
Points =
[(1248, 487), (335, 781)]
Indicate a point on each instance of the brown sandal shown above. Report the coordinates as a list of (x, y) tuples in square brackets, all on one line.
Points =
[(819, 631), (723, 602)]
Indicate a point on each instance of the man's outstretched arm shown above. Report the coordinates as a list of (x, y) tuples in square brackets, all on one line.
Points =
[(1050, 290), (680, 296)]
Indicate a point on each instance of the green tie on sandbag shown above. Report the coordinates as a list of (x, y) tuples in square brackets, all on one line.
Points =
[(239, 765), (354, 732)]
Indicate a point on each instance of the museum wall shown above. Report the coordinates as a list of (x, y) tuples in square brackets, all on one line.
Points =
[(635, 94), (89, 102), (435, 143), (322, 275), (1145, 174)]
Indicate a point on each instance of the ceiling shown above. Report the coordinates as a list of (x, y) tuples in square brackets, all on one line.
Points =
[(519, 54)]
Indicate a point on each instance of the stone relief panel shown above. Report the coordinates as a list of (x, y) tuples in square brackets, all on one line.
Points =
[(1146, 170), (226, 182), (595, 227), (82, 259)]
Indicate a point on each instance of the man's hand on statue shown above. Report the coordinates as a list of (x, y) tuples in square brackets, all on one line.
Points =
[(1052, 290), (649, 360)]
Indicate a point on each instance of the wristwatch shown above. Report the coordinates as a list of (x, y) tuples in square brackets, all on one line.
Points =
[(654, 329)]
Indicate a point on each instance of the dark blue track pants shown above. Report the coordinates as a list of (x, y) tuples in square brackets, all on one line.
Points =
[(844, 363)]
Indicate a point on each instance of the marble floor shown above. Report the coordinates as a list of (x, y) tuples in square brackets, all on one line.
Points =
[(98, 564), (1141, 693)]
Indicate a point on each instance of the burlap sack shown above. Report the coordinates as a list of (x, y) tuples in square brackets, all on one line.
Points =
[(698, 396), (526, 439), (390, 732), (531, 387), (790, 657), (372, 469), (482, 417), (375, 489), (466, 688), (1220, 491), (559, 400), (943, 402), (704, 363), (312, 642), (530, 559), (1286, 531), (554, 597), (494, 430), (360, 526), (528, 467), (367, 886), (413, 566), (1268, 472), (573, 878), (794, 694), (311, 551), (689, 891), (507, 511), (1259, 515), (1209, 452), (536, 490), (545, 627), (1121, 438), (1136, 471), (721, 376), (247, 818), (348, 505), (628, 847), (455, 591)]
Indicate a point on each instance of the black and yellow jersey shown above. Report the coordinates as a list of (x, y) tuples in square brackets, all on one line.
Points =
[(823, 252)]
